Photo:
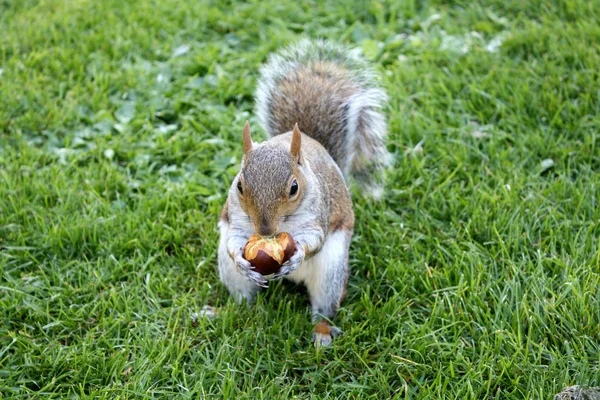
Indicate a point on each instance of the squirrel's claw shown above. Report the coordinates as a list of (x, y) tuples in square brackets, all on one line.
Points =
[(292, 264), (254, 277), (245, 269), (324, 339), (285, 270)]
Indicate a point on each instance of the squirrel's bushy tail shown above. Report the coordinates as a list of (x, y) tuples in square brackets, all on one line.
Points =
[(335, 98)]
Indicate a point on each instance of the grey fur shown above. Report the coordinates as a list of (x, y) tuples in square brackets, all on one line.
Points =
[(321, 242), (336, 99), (266, 173)]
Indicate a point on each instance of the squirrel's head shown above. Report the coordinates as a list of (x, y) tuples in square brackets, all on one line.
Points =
[(270, 184)]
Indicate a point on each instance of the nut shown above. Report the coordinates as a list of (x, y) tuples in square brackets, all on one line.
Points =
[(267, 255)]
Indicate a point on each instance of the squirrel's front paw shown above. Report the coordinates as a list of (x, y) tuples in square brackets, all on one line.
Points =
[(293, 263), (245, 269)]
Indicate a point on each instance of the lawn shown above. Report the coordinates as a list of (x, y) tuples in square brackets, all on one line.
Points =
[(475, 277)]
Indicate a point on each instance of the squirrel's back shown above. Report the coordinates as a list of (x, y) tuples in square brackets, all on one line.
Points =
[(335, 98)]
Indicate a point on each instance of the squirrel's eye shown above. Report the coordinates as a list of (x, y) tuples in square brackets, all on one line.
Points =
[(239, 186), (294, 188)]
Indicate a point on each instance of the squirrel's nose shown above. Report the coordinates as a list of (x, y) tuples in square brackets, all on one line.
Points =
[(266, 228)]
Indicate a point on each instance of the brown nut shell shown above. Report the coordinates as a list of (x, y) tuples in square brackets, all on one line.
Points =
[(264, 264), (286, 241), (267, 255)]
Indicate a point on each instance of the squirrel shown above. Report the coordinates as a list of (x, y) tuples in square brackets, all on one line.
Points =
[(322, 109)]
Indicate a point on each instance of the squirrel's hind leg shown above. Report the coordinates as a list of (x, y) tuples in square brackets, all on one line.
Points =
[(326, 284)]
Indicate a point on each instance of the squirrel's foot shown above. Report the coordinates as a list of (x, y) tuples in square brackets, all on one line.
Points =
[(324, 333), (207, 312)]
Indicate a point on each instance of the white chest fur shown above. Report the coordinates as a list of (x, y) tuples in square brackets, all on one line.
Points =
[(316, 267)]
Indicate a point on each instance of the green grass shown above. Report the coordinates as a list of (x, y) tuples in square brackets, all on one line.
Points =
[(120, 131)]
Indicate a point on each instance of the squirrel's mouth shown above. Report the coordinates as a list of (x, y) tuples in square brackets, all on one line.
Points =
[(267, 234), (266, 229)]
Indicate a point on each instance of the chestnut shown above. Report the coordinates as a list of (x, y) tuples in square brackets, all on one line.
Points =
[(267, 255)]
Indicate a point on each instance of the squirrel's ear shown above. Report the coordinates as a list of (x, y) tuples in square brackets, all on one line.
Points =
[(296, 143), (246, 138)]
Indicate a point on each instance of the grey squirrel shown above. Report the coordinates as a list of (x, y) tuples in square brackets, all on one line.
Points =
[(322, 109)]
